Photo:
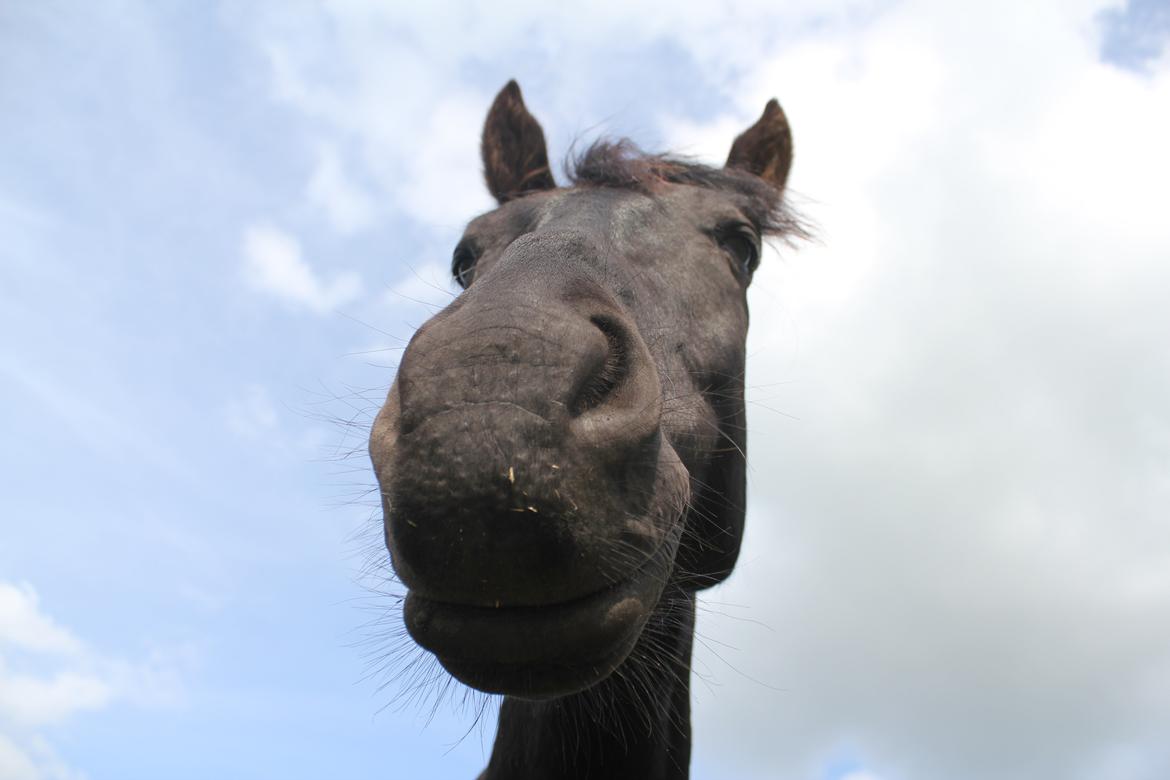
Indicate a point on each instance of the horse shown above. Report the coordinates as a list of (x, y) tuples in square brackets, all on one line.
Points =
[(562, 454)]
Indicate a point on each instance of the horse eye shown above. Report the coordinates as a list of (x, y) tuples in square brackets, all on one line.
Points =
[(463, 265), (740, 243)]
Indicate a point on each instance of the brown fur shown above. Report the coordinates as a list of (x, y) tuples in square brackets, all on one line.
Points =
[(765, 148), (515, 159)]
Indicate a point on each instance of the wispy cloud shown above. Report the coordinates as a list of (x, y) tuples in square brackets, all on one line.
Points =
[(346, 205), (23, 625), (273, 265), (253, 414), (33, 760), (32, 701), (109, 434), (49, 676)]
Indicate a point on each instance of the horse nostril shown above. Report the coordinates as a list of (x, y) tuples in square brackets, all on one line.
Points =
[(612, 371)]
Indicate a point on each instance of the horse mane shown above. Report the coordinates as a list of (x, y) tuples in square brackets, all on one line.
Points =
[(621, 164)]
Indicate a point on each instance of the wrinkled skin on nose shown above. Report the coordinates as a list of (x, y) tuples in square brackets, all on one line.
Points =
[(525, 468), (538, 390)]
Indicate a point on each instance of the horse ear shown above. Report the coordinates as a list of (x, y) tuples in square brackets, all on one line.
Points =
[(515, 160), (765, 148)]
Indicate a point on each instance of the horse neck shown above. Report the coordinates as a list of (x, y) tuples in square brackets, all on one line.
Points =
[(635, 724)]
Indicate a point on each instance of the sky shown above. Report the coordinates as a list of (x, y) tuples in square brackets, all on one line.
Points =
[(220, 222)]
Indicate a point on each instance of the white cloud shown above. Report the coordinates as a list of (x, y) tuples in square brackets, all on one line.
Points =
[(23, 625), (392, 81), (348, 207), (15, 764), (443, 158), (35, 760), (273, 264), (36, 701), (28, 699), (68, 680)]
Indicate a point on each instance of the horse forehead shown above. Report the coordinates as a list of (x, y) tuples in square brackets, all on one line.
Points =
[(610, 214)]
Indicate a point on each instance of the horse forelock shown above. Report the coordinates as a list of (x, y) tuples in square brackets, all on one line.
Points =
[(621, 164)]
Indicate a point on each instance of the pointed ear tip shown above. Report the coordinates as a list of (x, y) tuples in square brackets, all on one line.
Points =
[(507, 97), (512, 89)]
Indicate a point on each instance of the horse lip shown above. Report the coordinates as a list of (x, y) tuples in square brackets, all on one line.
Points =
[(586, 631)]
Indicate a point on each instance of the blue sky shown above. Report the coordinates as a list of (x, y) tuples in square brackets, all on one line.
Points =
[(218, 222)]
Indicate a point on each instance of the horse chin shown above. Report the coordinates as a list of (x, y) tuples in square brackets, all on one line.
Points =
[(545, 651)]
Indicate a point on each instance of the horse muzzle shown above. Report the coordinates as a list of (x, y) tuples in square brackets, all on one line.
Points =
[(532, 505)]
